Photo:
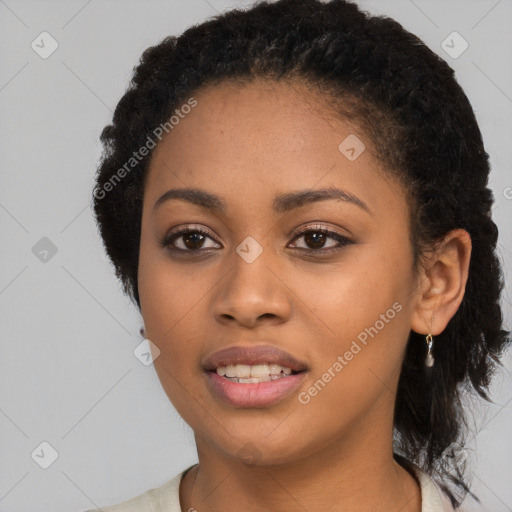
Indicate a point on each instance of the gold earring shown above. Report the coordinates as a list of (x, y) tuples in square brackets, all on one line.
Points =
[(429, 359)]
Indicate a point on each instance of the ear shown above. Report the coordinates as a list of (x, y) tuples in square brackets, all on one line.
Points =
[(442, 283)]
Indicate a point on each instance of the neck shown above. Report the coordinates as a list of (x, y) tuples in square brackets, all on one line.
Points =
[(340, 477)]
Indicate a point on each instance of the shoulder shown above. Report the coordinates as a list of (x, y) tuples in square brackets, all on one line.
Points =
[(161, 499), (433, 499)]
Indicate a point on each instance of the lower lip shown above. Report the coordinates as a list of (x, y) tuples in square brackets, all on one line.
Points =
[(261, 394)]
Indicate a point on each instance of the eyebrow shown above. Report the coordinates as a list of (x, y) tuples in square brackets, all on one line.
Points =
[(281, 204)]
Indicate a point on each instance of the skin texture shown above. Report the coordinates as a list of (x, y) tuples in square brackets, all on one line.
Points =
[(246, 144)]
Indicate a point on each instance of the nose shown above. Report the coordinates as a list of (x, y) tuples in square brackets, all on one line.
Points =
[(252, 293)]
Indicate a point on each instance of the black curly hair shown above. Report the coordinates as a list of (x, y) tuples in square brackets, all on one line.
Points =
[(421, 123)]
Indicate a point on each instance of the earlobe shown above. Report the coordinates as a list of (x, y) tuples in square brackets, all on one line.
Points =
[(444, 277)]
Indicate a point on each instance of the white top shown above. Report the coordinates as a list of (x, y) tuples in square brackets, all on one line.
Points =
[(167, 497)]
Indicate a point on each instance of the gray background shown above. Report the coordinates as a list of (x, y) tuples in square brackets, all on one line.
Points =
[(68, 373)]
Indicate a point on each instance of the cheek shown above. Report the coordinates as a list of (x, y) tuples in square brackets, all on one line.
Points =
[(352, 296), (364, 306), (357, 365), (366, 340), (169, 298), (170, 301)]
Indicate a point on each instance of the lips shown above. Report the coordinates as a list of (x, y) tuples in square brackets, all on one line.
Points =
[(262, 391), (254, 355)]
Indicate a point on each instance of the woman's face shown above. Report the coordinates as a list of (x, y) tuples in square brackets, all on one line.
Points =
[(251, 281)]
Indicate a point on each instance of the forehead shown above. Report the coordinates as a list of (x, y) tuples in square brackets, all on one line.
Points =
[(258, 113), (260, 136)]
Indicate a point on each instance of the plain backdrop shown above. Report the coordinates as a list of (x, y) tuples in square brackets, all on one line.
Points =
[(69, 378)]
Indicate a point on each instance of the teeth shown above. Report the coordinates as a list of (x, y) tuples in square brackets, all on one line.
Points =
[(230, 370), (260, 370), (251, 374), (275, 369), (251, 380), (248, 381), (243, 370)]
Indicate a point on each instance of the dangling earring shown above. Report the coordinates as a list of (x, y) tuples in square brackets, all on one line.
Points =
[(142, 331), (429, 359)]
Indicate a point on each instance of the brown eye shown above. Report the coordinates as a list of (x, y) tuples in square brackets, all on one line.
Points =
[(189, 240), (315, 239), (193, 240)]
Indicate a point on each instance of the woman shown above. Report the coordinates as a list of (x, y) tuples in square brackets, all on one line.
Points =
[(295, 197)]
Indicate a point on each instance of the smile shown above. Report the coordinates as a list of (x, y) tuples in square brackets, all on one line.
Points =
[(253, 374)]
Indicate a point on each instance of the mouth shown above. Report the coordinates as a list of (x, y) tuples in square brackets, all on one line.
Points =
[(256, 376)]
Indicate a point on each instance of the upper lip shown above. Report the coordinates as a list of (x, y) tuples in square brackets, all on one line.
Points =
[(258, 354)]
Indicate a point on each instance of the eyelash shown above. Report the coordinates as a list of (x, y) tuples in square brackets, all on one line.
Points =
[(343, 241)]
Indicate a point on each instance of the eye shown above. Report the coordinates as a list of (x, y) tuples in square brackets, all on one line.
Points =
[(316, 237), (189, 239), (194, 239)]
